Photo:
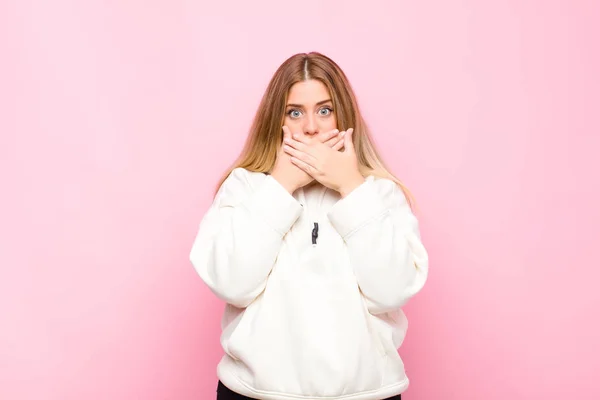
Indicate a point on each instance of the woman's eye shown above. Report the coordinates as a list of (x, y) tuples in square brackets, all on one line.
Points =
[(325, 111), (294, 113)]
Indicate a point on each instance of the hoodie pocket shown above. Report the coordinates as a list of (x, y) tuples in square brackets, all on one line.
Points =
[(312, 336), (309, 333)]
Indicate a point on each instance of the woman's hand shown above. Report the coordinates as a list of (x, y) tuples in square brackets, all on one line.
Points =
[(337, 170), (289, 175)]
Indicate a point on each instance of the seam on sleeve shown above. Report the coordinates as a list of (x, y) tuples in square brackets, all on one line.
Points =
[(367, 222)]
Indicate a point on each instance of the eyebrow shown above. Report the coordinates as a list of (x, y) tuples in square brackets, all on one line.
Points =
[(301, 106)]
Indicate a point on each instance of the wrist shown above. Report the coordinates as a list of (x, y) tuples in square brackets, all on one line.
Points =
[(290, 188), (352, 184)]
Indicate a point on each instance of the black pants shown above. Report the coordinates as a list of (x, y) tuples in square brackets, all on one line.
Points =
[(224, 393)]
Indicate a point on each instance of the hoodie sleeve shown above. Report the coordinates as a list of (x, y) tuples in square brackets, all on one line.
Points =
[(383, 242), (240, 236)]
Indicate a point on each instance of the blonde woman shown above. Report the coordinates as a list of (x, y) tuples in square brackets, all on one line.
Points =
[(313, 245)]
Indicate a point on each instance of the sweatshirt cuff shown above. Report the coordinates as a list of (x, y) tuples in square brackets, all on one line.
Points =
[(274, 205), (357, 209)]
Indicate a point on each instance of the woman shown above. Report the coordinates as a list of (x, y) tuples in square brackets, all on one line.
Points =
[(312, 244)]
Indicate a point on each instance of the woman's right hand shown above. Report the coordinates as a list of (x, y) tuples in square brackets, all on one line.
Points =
[(289, 175)]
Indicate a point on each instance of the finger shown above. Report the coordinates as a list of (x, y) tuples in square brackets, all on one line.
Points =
[(339, 145), (298, 154), (301, 138), (348, 143), (329, 135), (303, 166), (305, 148), (286, 132), (333, 141)]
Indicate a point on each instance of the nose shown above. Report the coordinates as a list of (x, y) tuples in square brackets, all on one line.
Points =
[(310, 126)]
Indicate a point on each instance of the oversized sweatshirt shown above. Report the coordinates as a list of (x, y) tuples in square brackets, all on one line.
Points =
[(314, 286)]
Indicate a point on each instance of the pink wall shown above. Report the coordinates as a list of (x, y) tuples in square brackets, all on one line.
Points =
[(117, 118)]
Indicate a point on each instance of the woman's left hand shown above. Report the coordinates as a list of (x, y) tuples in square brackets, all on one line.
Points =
[(335, 169)]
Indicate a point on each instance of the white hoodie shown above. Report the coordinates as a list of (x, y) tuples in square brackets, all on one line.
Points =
[(304, 320)]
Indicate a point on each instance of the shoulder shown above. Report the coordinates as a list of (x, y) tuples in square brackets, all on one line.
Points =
[(238, 184), (384, 186), (243, 176), (388, 189)]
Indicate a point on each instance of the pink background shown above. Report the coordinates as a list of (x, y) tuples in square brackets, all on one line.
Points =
[(117, 118)]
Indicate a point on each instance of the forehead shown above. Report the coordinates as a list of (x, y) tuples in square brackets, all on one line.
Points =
[(308, 92)]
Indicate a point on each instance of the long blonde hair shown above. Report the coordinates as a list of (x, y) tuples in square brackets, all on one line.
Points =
[(265, 136)]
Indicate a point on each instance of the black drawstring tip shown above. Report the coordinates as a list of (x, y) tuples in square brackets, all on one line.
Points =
[(315, 233)]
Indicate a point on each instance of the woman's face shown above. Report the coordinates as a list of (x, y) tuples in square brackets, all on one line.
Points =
[(309, 109)]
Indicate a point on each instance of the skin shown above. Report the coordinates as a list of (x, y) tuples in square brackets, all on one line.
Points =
[(312, 146)]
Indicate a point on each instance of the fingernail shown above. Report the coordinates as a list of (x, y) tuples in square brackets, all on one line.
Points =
[(295, 136)]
